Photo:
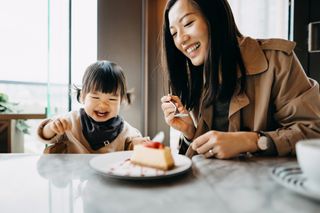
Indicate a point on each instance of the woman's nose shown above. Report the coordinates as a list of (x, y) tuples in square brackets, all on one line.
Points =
[(183, 39)]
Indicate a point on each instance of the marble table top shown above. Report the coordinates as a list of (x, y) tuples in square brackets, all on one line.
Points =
[(66, 183)]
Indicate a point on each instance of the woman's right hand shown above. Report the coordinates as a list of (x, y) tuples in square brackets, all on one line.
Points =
[(57, 126), (182, 124)]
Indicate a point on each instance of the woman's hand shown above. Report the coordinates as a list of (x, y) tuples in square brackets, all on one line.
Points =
[(57, 126), (225, 145), (182, 124)]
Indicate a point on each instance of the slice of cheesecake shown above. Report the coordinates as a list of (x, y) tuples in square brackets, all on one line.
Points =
[(153, 154)]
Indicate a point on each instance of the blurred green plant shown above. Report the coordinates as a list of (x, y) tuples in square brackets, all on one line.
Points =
[(7, 107)]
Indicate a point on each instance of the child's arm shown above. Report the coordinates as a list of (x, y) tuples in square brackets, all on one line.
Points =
[(57, 126), (140, 140), (130, 142)]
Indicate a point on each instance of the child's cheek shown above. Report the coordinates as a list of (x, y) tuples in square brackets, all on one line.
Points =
[(118, 108)]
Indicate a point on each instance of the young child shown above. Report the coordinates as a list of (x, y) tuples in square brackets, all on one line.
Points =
[(97, 127)]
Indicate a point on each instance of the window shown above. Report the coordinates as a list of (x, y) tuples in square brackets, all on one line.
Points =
[(40, 56), (261, 18)]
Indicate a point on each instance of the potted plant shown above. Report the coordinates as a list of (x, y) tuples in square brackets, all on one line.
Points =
[(9, 107)]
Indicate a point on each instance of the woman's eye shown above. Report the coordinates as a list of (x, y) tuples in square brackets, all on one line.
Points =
[(188, 23), (113, 99), (173, 34), (94, 97)]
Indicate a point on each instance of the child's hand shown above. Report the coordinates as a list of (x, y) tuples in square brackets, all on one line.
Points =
[(140, 140), (60, 125), (57, 126)]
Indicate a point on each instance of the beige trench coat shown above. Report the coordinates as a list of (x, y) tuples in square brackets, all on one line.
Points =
[(279, 99)]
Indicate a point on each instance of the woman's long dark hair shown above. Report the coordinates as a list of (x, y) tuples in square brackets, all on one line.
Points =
[(186, 80)]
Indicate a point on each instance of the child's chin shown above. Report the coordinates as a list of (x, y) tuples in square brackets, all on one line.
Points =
[(101, 119)]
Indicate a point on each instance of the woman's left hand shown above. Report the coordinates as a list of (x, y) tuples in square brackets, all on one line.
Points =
[(225, 145)]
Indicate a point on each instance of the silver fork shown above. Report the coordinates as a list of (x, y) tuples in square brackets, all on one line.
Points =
[(177, 114)]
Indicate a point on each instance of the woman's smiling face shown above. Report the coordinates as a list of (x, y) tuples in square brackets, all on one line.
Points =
[(189, 30)]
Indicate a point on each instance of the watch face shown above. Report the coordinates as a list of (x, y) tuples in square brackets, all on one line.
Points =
[(263, 143)]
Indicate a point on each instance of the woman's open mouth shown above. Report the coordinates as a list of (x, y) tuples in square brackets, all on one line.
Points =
[(193, 48)]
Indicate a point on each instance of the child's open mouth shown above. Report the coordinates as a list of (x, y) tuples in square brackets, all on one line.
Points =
[(101, 114)]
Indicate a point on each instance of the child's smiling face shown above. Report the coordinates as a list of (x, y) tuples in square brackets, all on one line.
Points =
[(102, 106)]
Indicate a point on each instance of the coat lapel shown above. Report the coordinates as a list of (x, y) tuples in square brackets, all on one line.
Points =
[(236, 104), (255, 62)]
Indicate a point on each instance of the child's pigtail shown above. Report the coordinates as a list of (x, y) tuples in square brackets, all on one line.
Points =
[(129, 96), (78, 92)]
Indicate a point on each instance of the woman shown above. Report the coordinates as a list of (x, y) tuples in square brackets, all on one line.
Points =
[(243, 95)]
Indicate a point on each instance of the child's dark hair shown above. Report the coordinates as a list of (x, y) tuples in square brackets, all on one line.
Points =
[(105, 77)]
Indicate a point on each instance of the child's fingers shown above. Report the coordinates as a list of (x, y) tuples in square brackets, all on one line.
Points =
[(66, 124), (139, 140), (57, 126)]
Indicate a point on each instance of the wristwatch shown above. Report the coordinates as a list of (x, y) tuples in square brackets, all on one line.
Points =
[(263, 143), (266, 146)]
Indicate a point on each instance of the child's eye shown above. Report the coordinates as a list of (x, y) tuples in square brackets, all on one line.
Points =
[(94, 97)]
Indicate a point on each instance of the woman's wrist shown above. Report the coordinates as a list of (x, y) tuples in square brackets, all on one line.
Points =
[(190, 133), (252, 139)]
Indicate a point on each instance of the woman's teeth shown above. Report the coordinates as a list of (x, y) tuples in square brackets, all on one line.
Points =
[(193, 47)]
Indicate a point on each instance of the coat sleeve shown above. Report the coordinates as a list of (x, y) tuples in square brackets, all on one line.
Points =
[(55, 139), (183, 145), (131, 135), (297, 105)]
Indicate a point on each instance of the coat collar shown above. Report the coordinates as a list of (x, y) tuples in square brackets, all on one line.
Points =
[(255, 62), (252, 55), (237, 102)]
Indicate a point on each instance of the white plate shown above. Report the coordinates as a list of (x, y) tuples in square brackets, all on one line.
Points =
[(291, 177), (118, 165)]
